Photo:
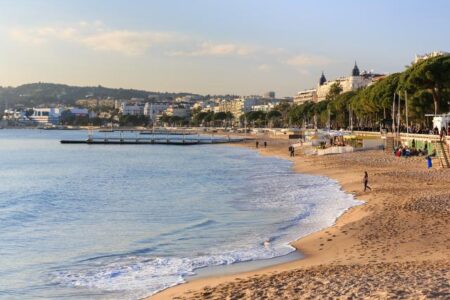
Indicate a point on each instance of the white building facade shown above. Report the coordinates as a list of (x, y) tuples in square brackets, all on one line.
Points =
[(46, 116), (263, 107), (353, 82), (131, 109), (152, 110)]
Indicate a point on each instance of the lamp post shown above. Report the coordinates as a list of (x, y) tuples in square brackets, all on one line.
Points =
[(393, 115), (406, 111)]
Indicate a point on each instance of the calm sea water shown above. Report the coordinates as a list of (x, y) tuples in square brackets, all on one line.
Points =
[(122, 222)]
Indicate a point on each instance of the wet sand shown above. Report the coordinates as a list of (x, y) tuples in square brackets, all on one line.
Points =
[(397, 245)]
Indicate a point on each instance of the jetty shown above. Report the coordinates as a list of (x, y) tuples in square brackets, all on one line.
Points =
[(181, 141)]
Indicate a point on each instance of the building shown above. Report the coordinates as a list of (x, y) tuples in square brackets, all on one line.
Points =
[(178, 110), (237, 106), (305, 96), (15, 115), (263, 107), (243, 105), (152, 110), (135, 109), (187, 99), (95, 103), (423, 57), (355, 81), (269, 95), (79, 112), (204, 105), (46, 115)]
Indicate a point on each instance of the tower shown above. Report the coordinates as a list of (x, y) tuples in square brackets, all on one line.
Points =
[(322, 79), (355, 71)]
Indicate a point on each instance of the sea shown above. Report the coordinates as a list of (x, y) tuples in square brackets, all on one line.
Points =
[(84, 221)]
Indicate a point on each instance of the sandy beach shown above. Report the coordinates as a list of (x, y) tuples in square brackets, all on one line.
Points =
[(396, 245)]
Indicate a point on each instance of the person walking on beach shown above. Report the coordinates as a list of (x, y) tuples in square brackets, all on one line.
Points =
[(291, 151), (366, 181), (265, 144), (257, 144)]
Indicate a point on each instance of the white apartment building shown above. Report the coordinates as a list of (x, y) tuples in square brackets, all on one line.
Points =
[(243, 105), (131, 109), (152, 110), (237, 106), (263, 107)]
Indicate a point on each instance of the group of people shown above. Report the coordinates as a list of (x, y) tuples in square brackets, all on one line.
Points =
[(413, 151), (407, 152)]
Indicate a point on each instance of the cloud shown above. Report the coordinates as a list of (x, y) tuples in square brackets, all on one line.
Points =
[(126, 42), (212, 49), (264, 67), (97, 37), (303, 60), (42, 35)]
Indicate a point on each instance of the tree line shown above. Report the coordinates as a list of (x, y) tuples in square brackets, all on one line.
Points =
[(424, 87)]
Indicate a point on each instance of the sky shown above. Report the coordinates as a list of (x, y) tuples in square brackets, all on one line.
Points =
[(242, 47)]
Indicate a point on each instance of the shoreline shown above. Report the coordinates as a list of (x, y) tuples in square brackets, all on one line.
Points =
[(333, 246), (255, 266), (303, 261)]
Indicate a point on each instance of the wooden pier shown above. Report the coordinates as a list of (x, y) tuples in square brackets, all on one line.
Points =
[(153, 141), (150, 132)]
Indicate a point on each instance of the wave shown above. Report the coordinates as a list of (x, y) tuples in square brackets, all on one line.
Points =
[(135, 275), (139, 276)]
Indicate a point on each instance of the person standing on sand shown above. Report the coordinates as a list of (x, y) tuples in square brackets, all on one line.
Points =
[(366, 181), (429, 162), (257, 144), (265, 144)]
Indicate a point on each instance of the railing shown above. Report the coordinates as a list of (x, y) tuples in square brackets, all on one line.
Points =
[(335, 150), (416, 136), (428, 137), (367, 133)]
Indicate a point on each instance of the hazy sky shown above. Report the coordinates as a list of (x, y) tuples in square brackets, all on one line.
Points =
[(209, 46)]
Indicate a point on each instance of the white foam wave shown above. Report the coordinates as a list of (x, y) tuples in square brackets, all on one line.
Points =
[(137, 276)]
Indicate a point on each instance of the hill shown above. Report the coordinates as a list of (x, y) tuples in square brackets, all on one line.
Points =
[(34, 94)]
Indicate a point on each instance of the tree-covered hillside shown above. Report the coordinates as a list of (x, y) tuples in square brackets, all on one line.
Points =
[(35, 94)]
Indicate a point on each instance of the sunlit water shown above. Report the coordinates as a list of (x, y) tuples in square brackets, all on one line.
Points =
[(125, 221)]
